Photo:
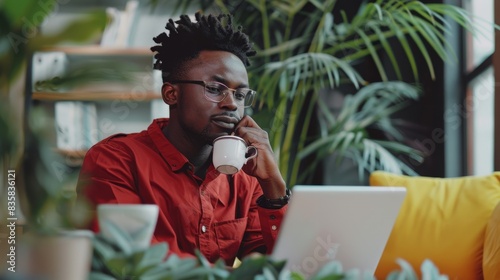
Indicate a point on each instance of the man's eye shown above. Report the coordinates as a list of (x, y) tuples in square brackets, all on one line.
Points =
[(239, 95), (215, 89)]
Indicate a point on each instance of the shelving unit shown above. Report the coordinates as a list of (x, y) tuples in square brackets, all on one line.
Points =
[(110, 107), (120, 108)]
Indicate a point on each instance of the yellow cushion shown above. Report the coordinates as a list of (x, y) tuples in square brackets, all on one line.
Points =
[(441, 219), (491, 255)]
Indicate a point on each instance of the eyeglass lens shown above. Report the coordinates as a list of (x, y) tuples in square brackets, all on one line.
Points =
[(217, 92)]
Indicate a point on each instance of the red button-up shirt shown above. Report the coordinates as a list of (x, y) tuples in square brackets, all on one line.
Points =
[(218, 214)]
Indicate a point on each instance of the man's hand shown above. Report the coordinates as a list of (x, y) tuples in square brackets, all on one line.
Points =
[(264, 166)]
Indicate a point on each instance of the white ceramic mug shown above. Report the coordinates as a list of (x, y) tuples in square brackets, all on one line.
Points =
[(138, 220), (230, 153)]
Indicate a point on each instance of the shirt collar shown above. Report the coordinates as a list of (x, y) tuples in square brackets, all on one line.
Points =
[(175, 159)]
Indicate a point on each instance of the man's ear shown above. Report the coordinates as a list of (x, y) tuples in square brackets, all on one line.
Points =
[(169, 94)]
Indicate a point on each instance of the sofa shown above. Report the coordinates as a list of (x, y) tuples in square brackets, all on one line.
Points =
[(454, 222)]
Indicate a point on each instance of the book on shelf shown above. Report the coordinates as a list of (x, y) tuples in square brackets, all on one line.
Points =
[(76, 125), (118, 30), (109, 34)]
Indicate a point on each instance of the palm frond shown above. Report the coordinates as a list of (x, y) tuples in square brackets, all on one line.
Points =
[(347, 135), (376, 22), (382, 94), (319, 67)]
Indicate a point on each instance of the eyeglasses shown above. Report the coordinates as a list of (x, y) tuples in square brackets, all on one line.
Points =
[(216, 92)]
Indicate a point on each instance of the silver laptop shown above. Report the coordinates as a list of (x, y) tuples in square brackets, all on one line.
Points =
[(348, 224)]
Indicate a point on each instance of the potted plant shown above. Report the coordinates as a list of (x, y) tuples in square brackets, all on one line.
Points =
[(115, 257)]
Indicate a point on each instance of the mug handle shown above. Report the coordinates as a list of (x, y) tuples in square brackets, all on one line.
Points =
[(253, 155)]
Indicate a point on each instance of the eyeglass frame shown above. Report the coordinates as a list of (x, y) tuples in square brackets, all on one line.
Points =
[(225, 92)]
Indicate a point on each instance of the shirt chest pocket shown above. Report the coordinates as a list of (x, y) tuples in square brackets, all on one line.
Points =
[(229, 235)]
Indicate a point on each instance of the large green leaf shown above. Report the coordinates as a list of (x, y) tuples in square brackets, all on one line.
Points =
[(121, 238), (27, 13), (149, 258)]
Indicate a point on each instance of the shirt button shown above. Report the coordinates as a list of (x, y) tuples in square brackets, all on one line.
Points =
[(272, 217), (274, 227), (203, 229)]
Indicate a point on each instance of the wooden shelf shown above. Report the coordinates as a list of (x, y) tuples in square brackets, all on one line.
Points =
[(98, 50), (95, 96)]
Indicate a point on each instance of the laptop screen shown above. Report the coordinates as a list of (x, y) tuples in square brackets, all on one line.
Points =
[(348, 224)]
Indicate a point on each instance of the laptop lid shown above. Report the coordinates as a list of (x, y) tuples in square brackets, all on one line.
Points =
[(349, 224)]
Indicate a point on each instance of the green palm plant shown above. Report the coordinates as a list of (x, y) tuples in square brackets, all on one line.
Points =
[(346, 132), (305, 46)]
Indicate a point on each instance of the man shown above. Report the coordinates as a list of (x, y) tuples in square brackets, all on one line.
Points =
[(170, 164)]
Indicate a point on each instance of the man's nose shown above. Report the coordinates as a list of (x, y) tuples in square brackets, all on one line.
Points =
[(229, 101)]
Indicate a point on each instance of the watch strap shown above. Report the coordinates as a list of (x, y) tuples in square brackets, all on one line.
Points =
[(277, 203)]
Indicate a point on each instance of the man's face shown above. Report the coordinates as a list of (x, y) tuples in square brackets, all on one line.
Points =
[(199, 117)]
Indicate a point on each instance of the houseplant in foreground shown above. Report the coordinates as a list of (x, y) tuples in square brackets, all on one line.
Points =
[(116, 258), (42, 181)]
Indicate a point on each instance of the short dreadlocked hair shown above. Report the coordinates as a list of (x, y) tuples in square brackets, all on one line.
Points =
[(185, 41)]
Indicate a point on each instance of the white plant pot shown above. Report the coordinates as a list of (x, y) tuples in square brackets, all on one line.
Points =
[(67, 255)]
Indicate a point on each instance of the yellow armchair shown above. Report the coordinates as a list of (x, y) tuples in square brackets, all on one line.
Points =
[(454, 222)]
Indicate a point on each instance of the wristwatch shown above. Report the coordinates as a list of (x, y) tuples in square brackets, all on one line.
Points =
[(277, 203)]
